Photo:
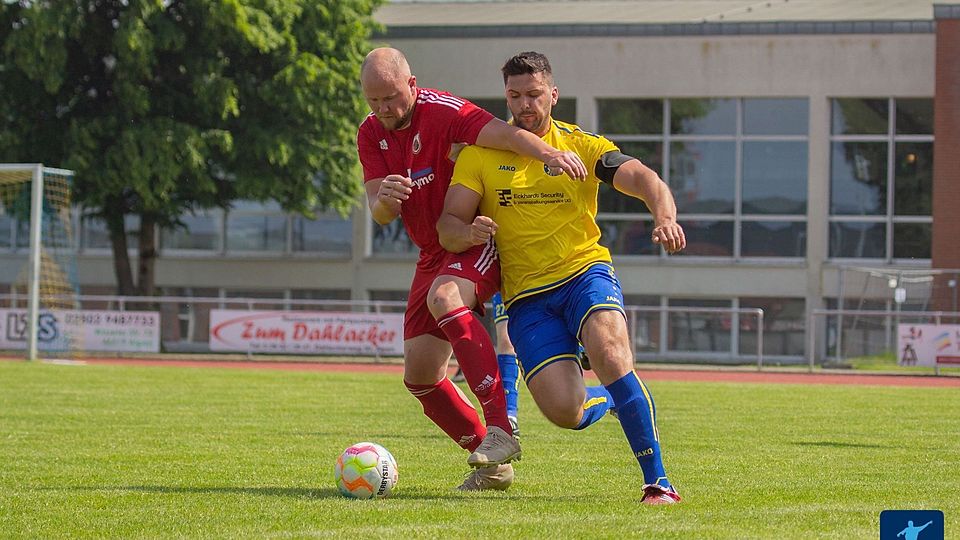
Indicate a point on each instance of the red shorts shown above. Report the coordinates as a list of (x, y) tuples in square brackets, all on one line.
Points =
[(479, 264)]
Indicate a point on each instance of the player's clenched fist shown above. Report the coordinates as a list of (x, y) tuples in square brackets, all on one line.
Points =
[(394, 189), (566, 162), (670, 236), (482, 230)]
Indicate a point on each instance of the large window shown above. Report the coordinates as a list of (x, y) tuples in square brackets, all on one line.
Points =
[(881, 178), (699, 332), (252, 228), (249, 227), (392, 238), (688, 333), (737, 169), (327, 233), (201, 231), (95, 235), (783, 326)]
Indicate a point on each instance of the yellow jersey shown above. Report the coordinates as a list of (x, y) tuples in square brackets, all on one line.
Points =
[(548, 232)]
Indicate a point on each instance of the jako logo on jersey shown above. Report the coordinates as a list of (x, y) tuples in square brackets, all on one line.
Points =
[(422, 177), (455, 266), (505, 196), (613, 299), (416, 143), (383, 144), (510, 168)]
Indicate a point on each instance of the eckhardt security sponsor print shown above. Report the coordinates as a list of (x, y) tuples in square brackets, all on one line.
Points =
[(306, 332)]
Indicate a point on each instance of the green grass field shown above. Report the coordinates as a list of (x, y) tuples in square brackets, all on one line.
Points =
[(124, 452)]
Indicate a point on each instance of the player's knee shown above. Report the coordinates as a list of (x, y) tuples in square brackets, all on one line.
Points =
[(619, 364), (612, 356), (444, 297), (564, 415), (422, 375)]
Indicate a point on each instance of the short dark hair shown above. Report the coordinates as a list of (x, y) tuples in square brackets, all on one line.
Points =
[(527, 62)]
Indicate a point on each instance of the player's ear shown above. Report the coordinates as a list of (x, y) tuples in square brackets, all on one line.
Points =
[(554, 96), (412, 82)]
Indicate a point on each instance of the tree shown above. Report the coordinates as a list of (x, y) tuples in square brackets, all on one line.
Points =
[(163, 107)]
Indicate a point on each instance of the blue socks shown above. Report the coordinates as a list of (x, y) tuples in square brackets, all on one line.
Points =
[(596, 404), (510, 375), (637, 416)]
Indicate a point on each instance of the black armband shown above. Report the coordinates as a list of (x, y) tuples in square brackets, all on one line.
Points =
[(608, 164)]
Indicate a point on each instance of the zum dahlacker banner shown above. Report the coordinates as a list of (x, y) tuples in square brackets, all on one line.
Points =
[(306, 332)]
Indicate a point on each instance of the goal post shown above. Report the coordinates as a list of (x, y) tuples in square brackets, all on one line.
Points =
[(872, 301), (40, 197)]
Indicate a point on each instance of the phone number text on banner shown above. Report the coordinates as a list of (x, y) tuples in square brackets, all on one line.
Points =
[(306, 332), (83, 330)]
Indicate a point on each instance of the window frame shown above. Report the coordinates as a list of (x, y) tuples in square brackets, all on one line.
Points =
[(738, 217), (888, 218)]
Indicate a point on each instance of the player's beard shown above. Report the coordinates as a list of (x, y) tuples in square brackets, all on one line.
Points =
[(401, 122), (537, 124)]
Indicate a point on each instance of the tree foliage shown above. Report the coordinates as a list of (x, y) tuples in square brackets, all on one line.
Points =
[(166, 106)]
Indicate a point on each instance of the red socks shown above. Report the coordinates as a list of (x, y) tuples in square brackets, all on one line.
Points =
[(478, 360), (446, 405)]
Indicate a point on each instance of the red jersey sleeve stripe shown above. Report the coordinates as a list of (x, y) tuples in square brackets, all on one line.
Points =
[(442, 100), (450, 97)]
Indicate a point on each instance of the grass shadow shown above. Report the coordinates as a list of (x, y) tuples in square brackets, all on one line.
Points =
[(266, 491), (262, 491), (837, 444)]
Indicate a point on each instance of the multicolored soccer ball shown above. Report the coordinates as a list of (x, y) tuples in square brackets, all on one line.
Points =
[(366, 470)]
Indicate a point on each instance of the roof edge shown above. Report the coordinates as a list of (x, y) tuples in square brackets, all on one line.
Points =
[(919, 26)]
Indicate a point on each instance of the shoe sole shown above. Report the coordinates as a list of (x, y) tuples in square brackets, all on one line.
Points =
[(499, 487), (509, 459)]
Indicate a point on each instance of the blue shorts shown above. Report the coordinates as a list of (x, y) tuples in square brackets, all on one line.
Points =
[(499, 310), (545, 328)]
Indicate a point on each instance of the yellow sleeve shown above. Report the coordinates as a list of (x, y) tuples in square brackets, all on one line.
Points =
[(593, 147), (605, 145), (467, 171)]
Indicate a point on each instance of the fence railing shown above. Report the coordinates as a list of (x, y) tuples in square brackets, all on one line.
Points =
[(658, 333), (843, 334), (671, 345)]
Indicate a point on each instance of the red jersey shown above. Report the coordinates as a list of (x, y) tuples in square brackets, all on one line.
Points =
[(425, 151)]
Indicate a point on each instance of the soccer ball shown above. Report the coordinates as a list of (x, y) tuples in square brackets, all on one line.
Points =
[(366, 471)]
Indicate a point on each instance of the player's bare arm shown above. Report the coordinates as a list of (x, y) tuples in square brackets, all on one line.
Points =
[(385, 195), (459, 227), (502, 136), (637, 180)]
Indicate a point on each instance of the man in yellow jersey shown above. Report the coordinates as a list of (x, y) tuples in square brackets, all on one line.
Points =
[(558, 282)]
